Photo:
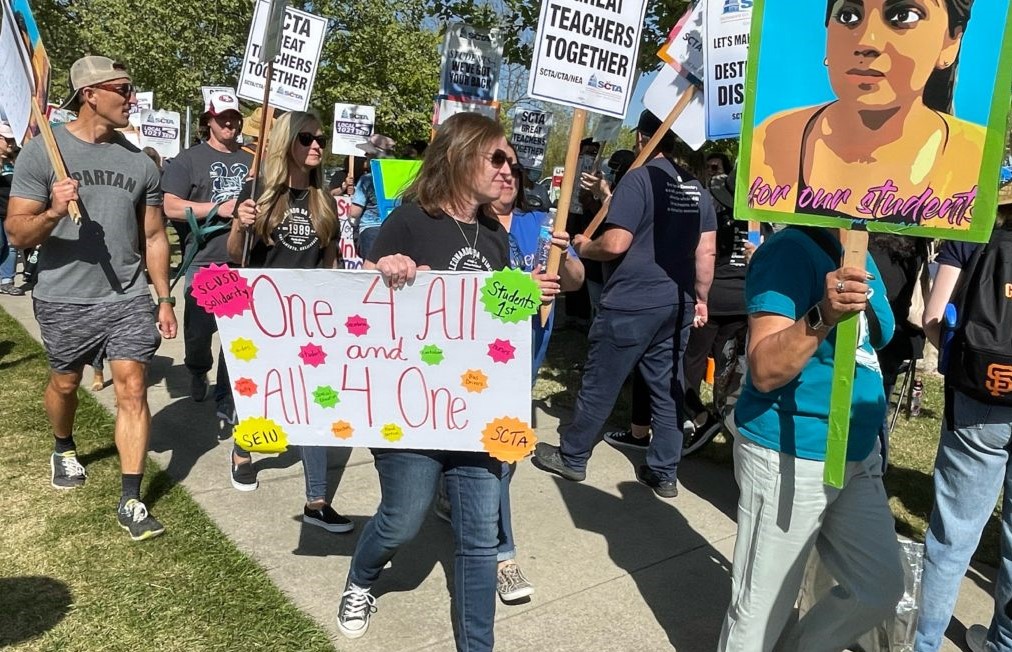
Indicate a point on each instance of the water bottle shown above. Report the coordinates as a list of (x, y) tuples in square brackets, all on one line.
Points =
[(915, 398), (949, 323), (544, 240)]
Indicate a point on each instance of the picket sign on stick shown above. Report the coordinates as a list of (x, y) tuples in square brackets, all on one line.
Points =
[(55, 158), (568, 179), (351, 170), (855, 253), (645, 154)]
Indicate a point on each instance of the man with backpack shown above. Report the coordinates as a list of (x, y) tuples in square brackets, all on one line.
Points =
[(972, 465)]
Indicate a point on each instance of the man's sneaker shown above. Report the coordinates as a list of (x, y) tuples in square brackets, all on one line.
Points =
[(548, 458), (244, 478), (357, 606), (326, 518), (976, 638), (67, 471), (511, 584), (199, 388), (663, 488), (625, 439), (11, 289), (135, 519), (226, 412)]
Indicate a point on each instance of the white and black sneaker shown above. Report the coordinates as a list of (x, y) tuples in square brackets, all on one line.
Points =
[(325, 517), (67, 472), (244, 478), (357, 606), (511, 584), (625, 439), (134, 517)]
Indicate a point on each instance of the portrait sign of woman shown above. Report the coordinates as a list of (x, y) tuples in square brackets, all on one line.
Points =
[(878, 137)]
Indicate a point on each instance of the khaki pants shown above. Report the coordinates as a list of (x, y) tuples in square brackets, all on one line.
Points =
[(783, 510)]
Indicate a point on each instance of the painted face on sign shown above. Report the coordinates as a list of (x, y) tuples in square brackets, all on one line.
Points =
[(880, 53), (491, 171)]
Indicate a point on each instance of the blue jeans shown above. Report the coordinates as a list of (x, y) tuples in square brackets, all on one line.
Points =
[(314, 468), (971, 468), (653, 341), (507, 546), (366, 238), (408, 482), (8, 258)]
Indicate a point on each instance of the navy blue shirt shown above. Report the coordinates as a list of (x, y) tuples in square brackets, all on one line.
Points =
[(956, 254), (666, 210)]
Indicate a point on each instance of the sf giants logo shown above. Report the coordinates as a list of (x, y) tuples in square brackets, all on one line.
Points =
[(1008, 290), (999, 379)]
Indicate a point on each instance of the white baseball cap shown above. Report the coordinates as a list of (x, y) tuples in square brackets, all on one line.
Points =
[(6, 131), (221, 102)]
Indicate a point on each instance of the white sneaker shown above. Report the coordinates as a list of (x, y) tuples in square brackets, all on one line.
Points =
[(357, 606), (976, 638)]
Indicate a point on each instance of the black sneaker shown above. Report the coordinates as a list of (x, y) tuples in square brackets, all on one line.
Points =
[(357, 606), (199, 388), (135, 519), (67, 471), (326, 518), (625, 439), (511, 585), (663, 488), (548, 458), (11, 289), (226, 411), (244, 478)]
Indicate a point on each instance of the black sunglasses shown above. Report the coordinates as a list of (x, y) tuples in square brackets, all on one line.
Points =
[(497, 158), (517, 170), (306, 139), (123, 90)]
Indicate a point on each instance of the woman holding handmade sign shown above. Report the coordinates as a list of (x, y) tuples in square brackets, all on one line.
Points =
[(889, 146), (440, 226), (294, 226)]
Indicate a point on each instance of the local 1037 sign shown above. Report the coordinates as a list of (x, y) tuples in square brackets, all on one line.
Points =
[(336, 358), (294, 68)]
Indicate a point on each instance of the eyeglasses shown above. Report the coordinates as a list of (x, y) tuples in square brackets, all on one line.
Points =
[(123, 90), (497, 158), (306, 139)]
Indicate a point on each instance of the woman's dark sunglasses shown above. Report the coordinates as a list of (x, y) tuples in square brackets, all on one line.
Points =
[(306, 139), (497, 158), (517, 170)]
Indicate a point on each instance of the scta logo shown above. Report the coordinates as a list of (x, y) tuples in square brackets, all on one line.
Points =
[(594, 82), (734, 6)]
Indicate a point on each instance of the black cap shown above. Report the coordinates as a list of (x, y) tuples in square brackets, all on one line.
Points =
[(621, 158), (648, 123), (588, 141)]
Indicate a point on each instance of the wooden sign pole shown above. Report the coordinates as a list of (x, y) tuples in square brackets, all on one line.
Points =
[(568, 181), (646, 153), (55, 158), (351, 170), (266, 121)]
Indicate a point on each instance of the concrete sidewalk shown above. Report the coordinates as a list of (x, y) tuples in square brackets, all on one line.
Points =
[(615, 568)]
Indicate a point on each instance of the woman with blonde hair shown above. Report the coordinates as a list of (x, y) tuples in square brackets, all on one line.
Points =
[(292, 224), (441, 225)]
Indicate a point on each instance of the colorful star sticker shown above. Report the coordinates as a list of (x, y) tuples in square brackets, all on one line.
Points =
[(432, 354), (501, 351), (312, 355), (392, 432), (243, 349), (245, 387), (357, 325), (474, 380), (325, 396), (342, 429)]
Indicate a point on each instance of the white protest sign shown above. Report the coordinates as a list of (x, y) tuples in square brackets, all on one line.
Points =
[(472, 58), (353, 124), (145, 100), (58, 116), (335, 358), (726, 52), (607, 129), (346, 248), (160, 130), (17, 82), (530, 137), (662, 96), (585, 53), (294, 69), (684, 48), (449, 106)]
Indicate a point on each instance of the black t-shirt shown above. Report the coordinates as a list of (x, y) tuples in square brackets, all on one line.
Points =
[(441, 242), (666, 210), (295, 244), (727, 293)]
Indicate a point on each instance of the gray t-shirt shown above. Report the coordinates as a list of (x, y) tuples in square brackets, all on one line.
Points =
[(204, 174), (98, 261)]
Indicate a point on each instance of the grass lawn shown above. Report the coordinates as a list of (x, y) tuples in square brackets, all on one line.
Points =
[(912, 456), (71, 579)]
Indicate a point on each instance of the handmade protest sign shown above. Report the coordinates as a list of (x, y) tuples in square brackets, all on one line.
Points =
[(390, 178), (145, 100), (837, 135), (683, 50), (353, 124), (160, 130), (447, 106), (725, 54), (16, 80), (37, 55), (472, 58), (335, 358), (585, 54), (347, 251), (530, 137), (294, 69)]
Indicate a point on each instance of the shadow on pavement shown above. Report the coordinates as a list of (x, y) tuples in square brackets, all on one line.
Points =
[(30, 607), (689, 606)]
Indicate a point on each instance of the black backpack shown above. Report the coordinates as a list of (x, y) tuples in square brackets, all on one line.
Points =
[(980, 358)]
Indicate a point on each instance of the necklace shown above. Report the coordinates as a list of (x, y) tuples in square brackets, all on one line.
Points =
[(298, 194), (474, 245)]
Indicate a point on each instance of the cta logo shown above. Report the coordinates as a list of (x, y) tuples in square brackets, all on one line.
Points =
[(602, 85), (735, 6)]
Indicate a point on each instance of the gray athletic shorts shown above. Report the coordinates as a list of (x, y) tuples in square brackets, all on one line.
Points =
[(73, 334)]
